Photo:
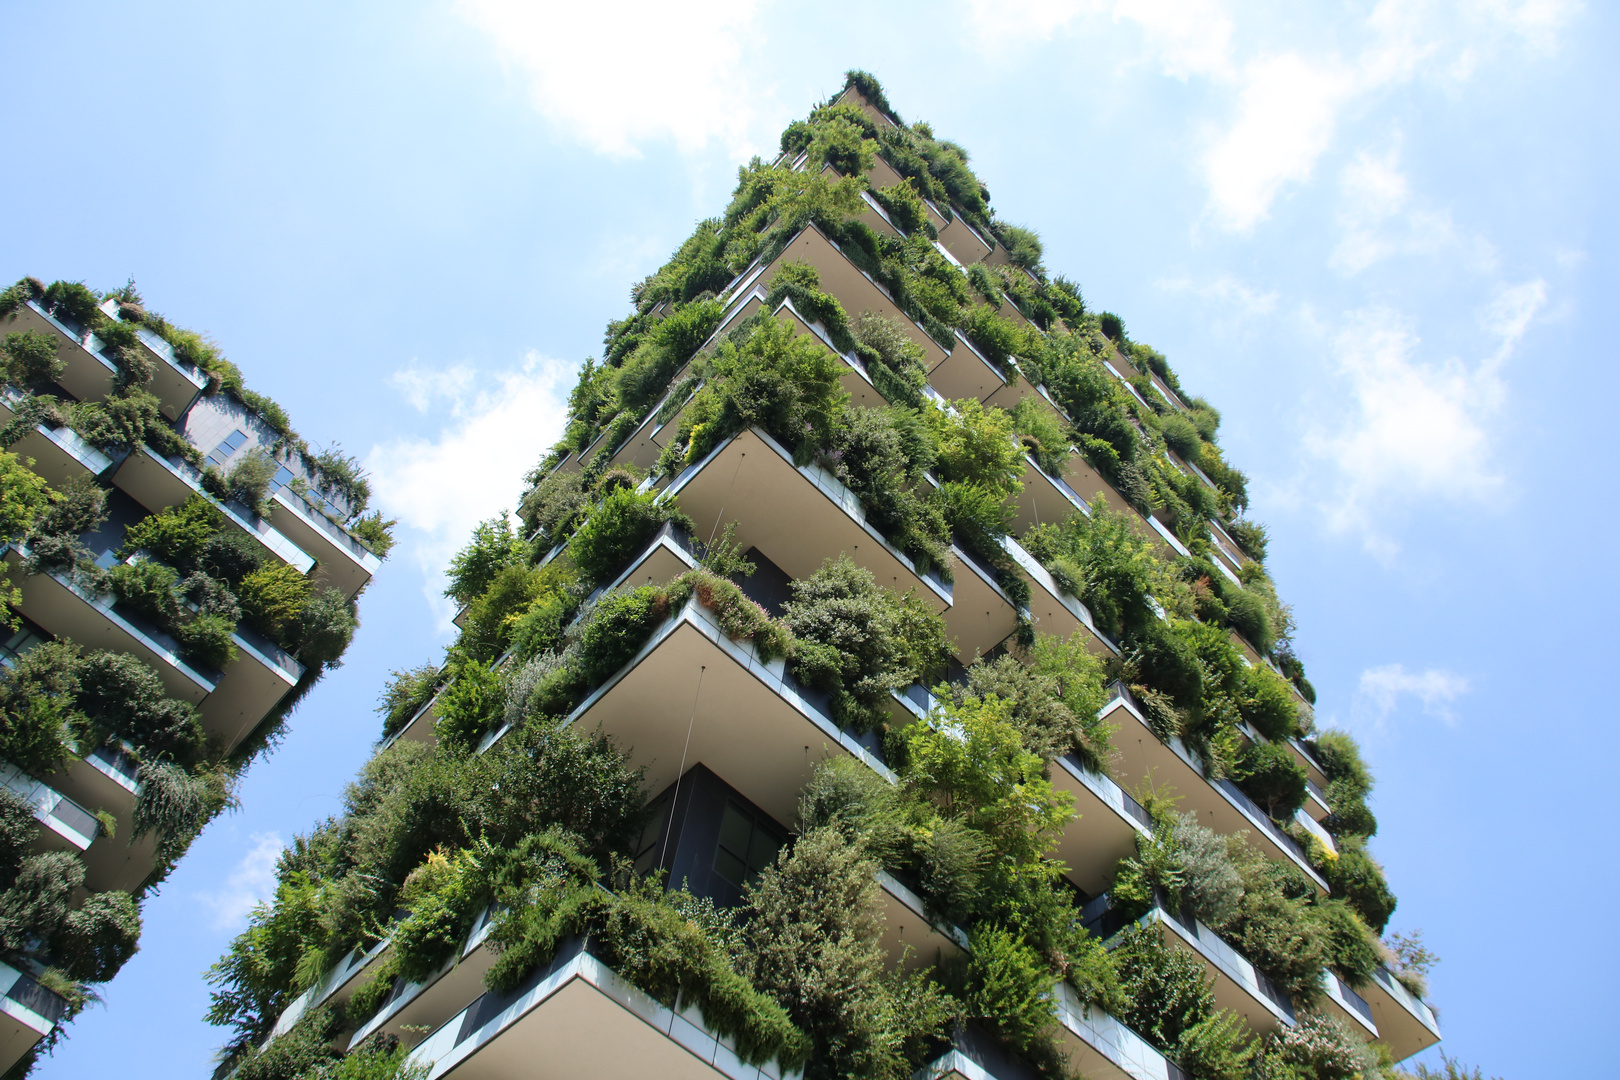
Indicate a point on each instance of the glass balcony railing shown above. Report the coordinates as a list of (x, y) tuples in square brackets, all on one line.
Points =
[(53, 809)]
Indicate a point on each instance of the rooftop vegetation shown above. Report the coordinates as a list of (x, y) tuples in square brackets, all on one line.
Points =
[(510, 802)]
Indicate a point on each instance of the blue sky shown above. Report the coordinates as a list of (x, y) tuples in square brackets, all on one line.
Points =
[(1377, 237)]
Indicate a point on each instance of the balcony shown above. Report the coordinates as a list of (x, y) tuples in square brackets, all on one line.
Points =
[(64, 610), (1405, 1023), (89, 376), (796, 517), (232, 702), (981, 615), (1349, 1006), (1171, 768), (1239, 986), (336, 986), (157, 483), (341, 561), (910, 937), (1105, 827), (28, 1012), (575, 1017), (64, 824), (106, 779), (1100, 1046), (1055, 611), (850, 285), (60, 455), (747, 721), (175, 382), (250, 687), (413, 1007)]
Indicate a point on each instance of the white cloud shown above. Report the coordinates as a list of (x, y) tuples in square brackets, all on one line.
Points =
[(1227, 291), (440, 488), (422, 387), (1286, 114), (252, 882), (1414, 430), (1382, 688), (615, 75), (1378, 218)]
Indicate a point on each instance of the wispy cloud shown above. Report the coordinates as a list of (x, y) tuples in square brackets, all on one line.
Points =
[(1235, 295), (496, 428), (252, 882), (617, 75), (1381, 689), (1283, 90), (1414, 430)]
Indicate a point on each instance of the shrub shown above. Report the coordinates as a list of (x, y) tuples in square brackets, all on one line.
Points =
[(801, 283), (273, 598), (905, 208), (1000, 339), (1268, 704), (29, 357), (1271, 777), (471, 702), (122, 697), (1009, 992), (209, 639), (812, 928), (1165, 988), (1250, 536), (325, 628), (178, 535), (375, 532), (95, 940), (405, 694), (552, 508), (617, 530), (74, 304), (231, 555), (740, 617), (148, 587), (1023, 245), (1319, 1046), (617, 627), (977, 445), (857, 641), (493, 547), (1358, 878), (1352, 949), (1054, 700), (249, 479)]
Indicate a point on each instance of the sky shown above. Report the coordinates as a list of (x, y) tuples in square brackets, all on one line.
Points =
[(1379, 237)]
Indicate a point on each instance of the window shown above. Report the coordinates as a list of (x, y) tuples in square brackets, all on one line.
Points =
[(747, 846), (222, 453), (282, 478)]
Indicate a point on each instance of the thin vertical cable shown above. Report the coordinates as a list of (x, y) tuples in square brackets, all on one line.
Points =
[(674, 800)]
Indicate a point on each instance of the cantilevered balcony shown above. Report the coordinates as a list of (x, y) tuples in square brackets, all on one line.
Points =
[(910, 938), (1238, 984), (28, 1013), (798, 517), (1405, 1024), (981, 615), (412, 1007), (64, 609), (1100, 1046), (175, 382), (1104, 831), (1171, 769), (60, 455), (692, 694), (342, 561), (843, 280), (88, 375), (157, 483), (232, 701), (1340, 1000), (574, 1017), (1055, 611), (107, 779), (64, 825), (336, 986)]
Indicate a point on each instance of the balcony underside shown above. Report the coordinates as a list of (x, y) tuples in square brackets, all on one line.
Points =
[(853, 289), (744, 724), (341, 561), (1143, 762), (582, 1020), (1092, 845), (793, 520), (1405, 1025)]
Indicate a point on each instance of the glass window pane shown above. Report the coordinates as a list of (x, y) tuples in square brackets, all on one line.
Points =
[(735, 828), (730, 867)]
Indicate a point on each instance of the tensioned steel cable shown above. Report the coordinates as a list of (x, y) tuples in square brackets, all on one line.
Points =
[(674, 800)]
